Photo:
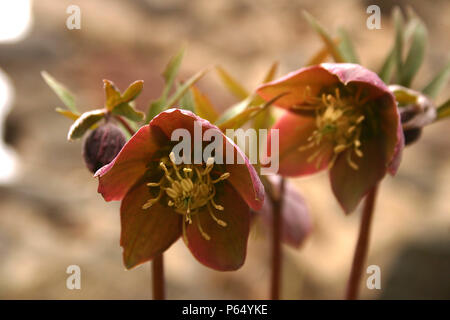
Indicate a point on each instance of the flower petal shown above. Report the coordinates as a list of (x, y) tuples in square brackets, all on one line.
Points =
[(294, 131), (243, 177), (146, 233), (350, 185), (227, 248), (296, 220), (295, 84), (117, 177)]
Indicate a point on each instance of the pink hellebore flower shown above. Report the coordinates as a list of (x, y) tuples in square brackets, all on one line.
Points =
[(342, 117), (208, 204)]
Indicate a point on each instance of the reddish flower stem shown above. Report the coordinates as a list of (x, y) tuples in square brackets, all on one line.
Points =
[(277, 203), (125, 124), (362, 246), (158, 278)]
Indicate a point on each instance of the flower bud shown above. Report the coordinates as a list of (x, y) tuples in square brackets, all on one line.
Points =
[(102, 145), (416, 111)]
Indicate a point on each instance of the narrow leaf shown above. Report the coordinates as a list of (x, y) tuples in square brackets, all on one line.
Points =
[(388, 66), (187, 102), (326, 38), (232, 84), (171, 71), (399, 40), (84, 122), (155, 108), (346, 47), (181, 90), (415, 55), (67, 113), (271, 73), (203, 106), (247, 114), (435, 86), (61, 91), (444, 110)]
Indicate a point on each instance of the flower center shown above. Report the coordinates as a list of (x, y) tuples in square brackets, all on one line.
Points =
[(339, 122), (188, 188)]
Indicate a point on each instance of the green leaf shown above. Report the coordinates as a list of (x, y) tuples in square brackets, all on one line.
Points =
[(126, 110), (415, 55), (444, 110), (187, 101), (234, 110), (61, 91), (326, 38), (240, 118), (155, 108), (320, 56), (84, 122), (433, 88), (181, 90), (346, 47), (133, 91), (264, 120), (270, 75), (385, 73), (68, 114), (171, 71), (399, 40), (203, 106), (113, 96), (232, 84)]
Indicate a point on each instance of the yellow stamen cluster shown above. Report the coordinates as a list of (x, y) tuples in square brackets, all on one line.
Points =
[(338, 120), (188, 188)]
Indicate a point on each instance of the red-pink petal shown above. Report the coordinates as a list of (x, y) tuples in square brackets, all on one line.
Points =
[(350, 185), (146, 233), (294, 131), (294, 85), (227, 248), (117, 177), (243, 177)]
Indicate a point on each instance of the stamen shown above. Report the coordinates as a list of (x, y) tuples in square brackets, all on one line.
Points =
[(224, 176), (184, 232), (350, 161), (338, 122), (151, 202), (219, 222), (189, 189), (203, 233)]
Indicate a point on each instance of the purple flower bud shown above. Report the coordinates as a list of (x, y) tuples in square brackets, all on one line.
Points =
[(416, 111), (102, 145)]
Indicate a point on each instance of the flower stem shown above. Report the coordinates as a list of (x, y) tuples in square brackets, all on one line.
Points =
[(158, 277), (125, 124), (276, 243), (362, 246)]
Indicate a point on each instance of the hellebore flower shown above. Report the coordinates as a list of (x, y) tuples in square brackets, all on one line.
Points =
[(342, 117), (208, 204), (296, 223)]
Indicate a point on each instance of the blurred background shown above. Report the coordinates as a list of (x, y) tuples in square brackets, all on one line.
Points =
[(51, 215)]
